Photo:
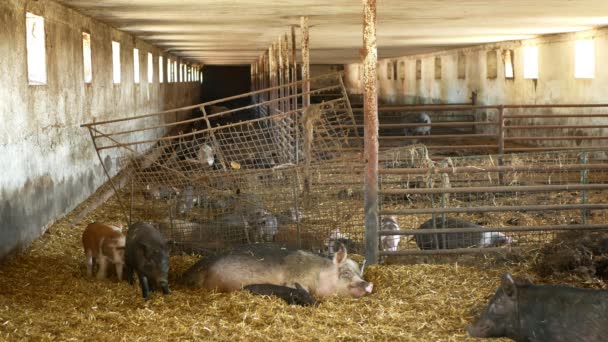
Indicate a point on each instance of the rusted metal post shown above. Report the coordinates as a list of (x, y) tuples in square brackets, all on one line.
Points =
[(280, 76), (305, 41), (501, 141), (294, 70), (370, 122), (271, 79), (286, 90)]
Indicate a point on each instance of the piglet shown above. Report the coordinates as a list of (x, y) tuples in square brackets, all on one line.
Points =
[(147, 254), (103, 244)]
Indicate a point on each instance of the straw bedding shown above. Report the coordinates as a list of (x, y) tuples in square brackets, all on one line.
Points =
[(45, 294)]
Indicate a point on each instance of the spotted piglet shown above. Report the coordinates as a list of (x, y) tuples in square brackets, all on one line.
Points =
[(103, 244)]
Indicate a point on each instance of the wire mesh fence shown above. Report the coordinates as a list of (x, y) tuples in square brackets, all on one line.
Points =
[(227, 175)]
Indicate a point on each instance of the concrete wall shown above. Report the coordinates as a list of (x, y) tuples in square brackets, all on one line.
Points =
[(47, 162), (555, 84)]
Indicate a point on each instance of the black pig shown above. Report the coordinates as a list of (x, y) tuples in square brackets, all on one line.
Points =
[(297, 296), (147, 253), (526, 312)]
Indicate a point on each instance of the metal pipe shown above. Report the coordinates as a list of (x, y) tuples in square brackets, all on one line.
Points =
[(370, 120), (495, 189), (563, 137), (476, 169), (226, 99), (294, 71), (493, 229), (176, 123), (413, 252), (490, 209), (433, 124), (305, 41)]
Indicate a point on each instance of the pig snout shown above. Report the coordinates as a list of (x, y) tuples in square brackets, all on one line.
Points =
[(479, 329), (360, 289)]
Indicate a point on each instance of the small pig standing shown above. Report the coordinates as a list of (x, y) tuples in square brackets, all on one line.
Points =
[(147, 254), (390, 242), (526, 312), (271, 264), (103, 244)]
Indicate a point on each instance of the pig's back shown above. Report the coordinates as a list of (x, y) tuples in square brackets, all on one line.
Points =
[(94, 232)]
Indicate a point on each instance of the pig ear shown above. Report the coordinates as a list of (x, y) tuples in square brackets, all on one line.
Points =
[(509, 286), (340, 256)]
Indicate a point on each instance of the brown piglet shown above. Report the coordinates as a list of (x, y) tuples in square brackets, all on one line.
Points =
[(103, 244)]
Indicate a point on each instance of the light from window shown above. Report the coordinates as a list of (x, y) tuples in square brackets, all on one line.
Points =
[(584, 59), (160, 69), (36, 52), (116, 62), (509, 74), (136, 65), (175, 75), (150, 68), (531, 62), (169, 68), (86, 56)]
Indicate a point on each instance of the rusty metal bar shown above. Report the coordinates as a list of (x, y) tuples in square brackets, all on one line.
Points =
[(435, 124), (280, 80), (412, 252), (549, 148), (490, 209), (305, 41), (294, 71), (438, 136), (500, 137), (494, 229), (475, 169), (456, 108), (558, 105), (521, 116), (286, 74), (554, 126), (176, 123), (564, 137), (496, 189), (370, 120), (170, 111)]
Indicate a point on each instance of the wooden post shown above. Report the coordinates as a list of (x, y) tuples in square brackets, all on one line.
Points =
[(370, 122), (294, 70), (305, 61)]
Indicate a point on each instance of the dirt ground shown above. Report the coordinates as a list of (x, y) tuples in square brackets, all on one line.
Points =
[(45, 294)]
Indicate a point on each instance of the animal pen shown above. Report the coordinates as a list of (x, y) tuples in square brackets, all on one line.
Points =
[(294, 174)]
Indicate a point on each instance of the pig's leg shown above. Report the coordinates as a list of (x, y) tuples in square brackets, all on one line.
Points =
[(89, 262), (143, 281), (165, 288), (129, 272), (103, 263), (119, 267)]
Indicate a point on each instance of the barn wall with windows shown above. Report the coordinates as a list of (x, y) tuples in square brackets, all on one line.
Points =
[(47, 163)]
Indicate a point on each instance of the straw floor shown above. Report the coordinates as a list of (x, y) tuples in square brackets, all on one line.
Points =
[(45, 294)]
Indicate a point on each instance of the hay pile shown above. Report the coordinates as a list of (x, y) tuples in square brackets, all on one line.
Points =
[(580, 253), (45, 294)]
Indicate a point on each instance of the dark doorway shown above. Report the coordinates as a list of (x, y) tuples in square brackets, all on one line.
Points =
[(221, 81)]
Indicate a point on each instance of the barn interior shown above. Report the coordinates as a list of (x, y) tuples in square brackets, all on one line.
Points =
[(304, 124)]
